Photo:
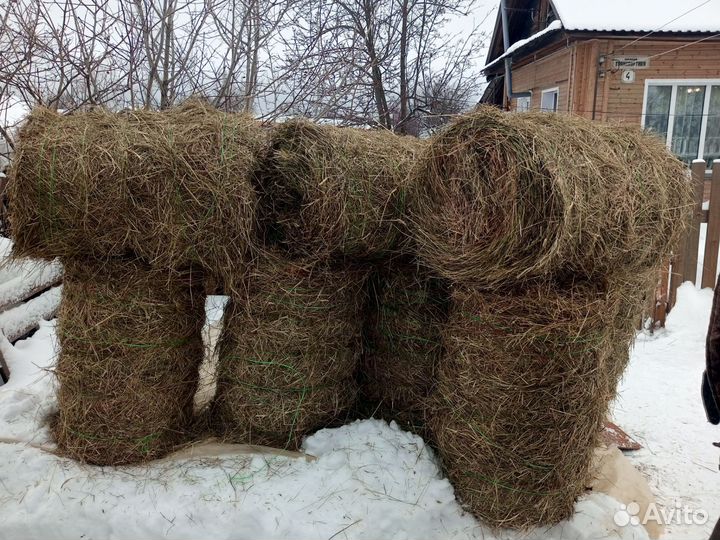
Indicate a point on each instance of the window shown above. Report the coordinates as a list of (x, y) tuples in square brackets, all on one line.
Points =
[(522, 104), (549, 100), (686, 115)]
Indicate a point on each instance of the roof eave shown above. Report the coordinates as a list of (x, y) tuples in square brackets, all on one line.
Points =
[(525, 50), (645, 34), (495, 67)]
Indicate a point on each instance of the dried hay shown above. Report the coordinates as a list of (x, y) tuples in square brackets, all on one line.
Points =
[(171, 187), (510, 197), (330, 192), (131, 346), (522, 390), (288, 352), (402, 344)]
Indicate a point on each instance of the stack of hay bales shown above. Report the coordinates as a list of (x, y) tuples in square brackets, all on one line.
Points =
[(510, 256), (331, 199), (140, 207), (550, 229), (406, 311)]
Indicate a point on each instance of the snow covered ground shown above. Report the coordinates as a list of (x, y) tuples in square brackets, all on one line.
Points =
[(659, 404), (366, 480)]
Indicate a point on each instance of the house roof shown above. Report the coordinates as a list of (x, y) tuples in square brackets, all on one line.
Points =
[(552, 27), (639, 15), (633, 16)]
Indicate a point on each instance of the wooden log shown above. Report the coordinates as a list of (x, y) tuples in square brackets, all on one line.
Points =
[(712, 237), (19, 321), (32, 280)]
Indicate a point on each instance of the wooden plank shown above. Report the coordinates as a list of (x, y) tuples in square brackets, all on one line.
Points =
[(675, 276), (612, 434), (712, 238), (650, 307), (661, 297), (690, 258)]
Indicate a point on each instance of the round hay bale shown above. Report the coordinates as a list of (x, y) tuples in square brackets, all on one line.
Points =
[(521, 394), (130, 348), (510, 197), (403, 345), (288, 352), (171, 187), (335, 192)]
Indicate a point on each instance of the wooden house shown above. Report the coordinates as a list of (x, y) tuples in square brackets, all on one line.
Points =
[(650, 62)]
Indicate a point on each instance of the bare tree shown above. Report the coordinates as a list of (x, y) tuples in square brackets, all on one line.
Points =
[(247, 31), (387, 51), (383, 62), (170, 65)]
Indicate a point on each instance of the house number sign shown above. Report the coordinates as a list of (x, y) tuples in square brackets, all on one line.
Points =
[(628, 76)]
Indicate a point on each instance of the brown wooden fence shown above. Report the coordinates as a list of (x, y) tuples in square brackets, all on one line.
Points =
[(684, 265)]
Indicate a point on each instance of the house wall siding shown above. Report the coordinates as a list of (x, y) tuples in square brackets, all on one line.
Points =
[(584, 88), (548, 72), (623, 102)]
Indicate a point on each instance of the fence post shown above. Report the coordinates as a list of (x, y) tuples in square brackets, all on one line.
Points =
[(712, 237), (691, 255), (680, 266)]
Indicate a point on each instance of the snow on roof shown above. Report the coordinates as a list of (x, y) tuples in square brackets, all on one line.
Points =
[(553, 26), (627, 16), (639, 15)]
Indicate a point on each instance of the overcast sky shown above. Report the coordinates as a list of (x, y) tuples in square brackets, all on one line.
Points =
[(483, 15)]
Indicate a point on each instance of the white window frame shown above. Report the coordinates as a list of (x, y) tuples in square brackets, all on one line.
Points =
[(529, 103), (674, 83), (555, 89)]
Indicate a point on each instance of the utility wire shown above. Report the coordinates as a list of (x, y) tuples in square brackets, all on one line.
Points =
[(664, 25), (683, 46)]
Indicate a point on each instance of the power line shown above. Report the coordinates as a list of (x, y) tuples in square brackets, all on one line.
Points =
[(664, 25), (683, 46)]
